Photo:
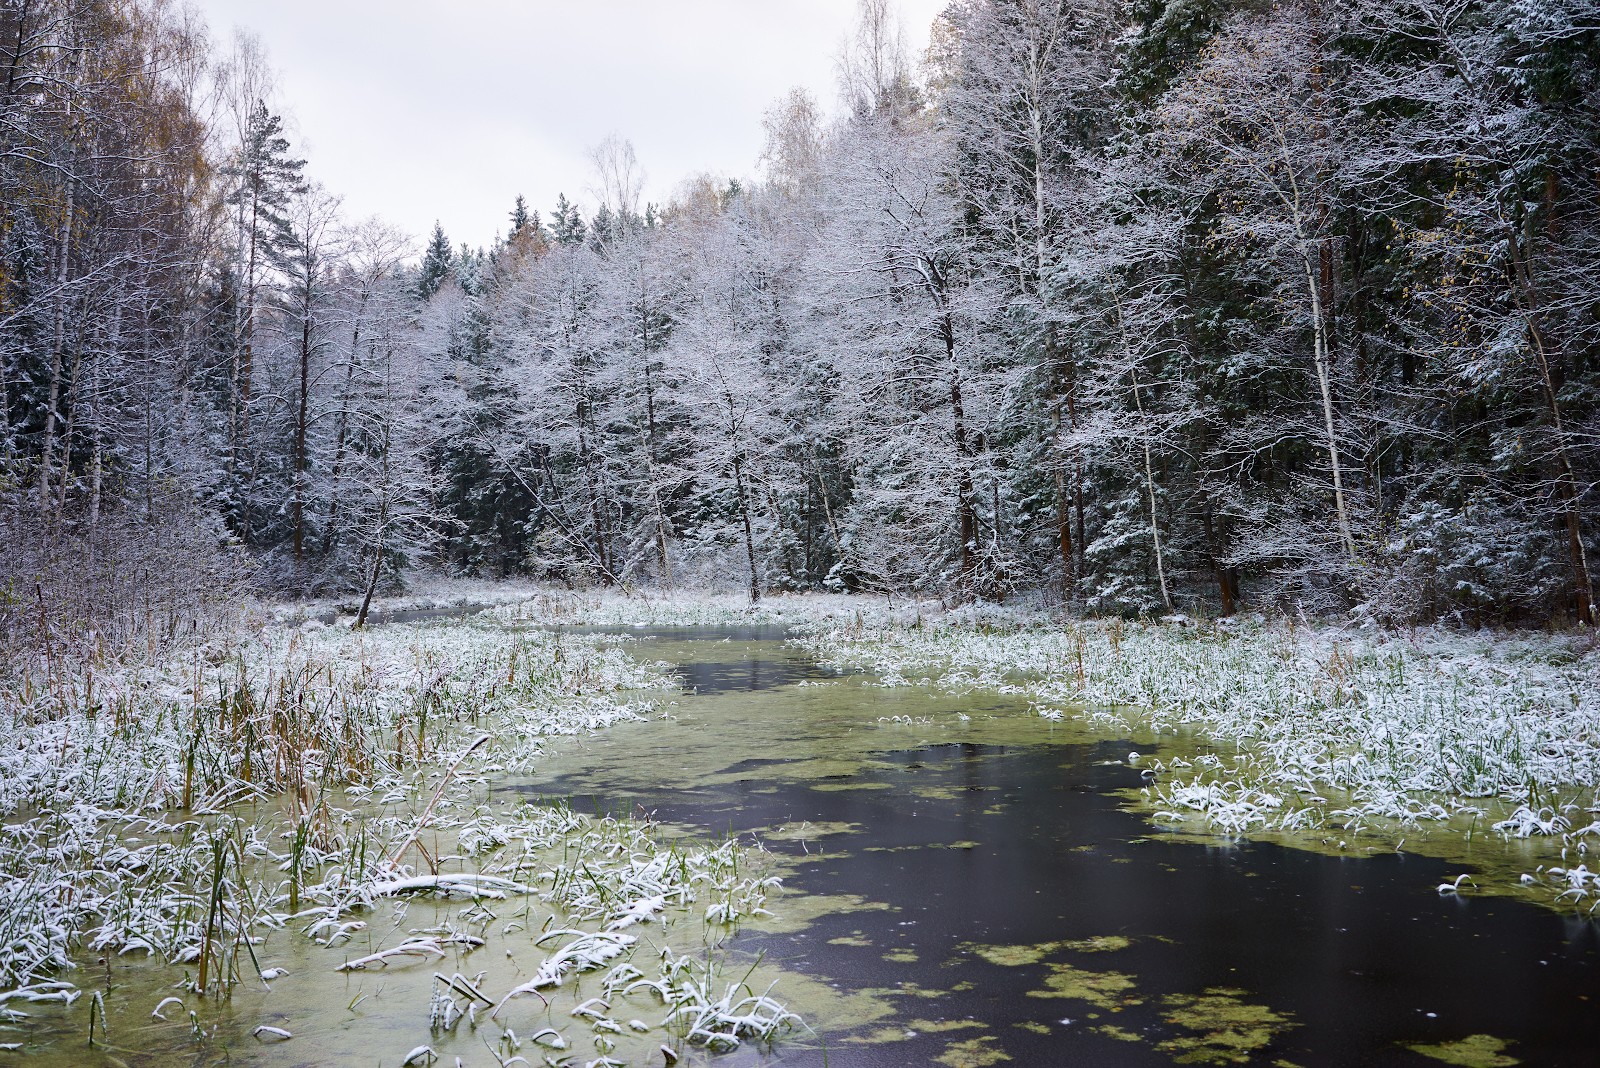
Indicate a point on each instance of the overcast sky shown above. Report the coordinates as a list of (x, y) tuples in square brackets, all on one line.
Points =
[(416, 110)]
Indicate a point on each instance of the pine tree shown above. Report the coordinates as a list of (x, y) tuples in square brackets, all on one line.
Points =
[(267, 180)]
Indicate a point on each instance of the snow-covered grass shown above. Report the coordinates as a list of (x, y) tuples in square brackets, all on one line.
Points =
[(1304, 728), (1310, 727), (423, 593), (190, 806), (289, 710), (680, 608)]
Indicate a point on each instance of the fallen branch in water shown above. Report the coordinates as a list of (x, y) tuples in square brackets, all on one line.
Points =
[(467, 883)]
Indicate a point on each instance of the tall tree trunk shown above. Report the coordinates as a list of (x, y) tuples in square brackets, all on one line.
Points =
[(1224, 580), (827, 509), (16, 53), (1566, 479), (1323, 358), (243, 369), (377, 538), (341, 432), (659, 516), (1529, 302), (966, 518), (57, 347), (73, 398), (301, 422), (749, 532), (600, 549), (1150, 487)]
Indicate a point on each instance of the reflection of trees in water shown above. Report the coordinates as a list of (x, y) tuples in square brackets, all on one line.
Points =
[(749, 675)]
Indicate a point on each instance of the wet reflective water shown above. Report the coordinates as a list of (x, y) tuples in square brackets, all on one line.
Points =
[(970, 874)]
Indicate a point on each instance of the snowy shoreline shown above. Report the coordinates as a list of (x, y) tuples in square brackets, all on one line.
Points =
[(189, 808), (1312, 733), (122, 786), (1308, 729)]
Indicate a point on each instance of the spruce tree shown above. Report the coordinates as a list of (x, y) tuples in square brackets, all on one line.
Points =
[(567, 225), (436, 263)]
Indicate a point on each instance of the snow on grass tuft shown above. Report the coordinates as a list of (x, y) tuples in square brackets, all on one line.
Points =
[(1332, 728), (98, 770)]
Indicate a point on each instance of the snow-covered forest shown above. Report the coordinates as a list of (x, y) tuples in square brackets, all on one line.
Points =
[(1152, 307), (1122, 483)]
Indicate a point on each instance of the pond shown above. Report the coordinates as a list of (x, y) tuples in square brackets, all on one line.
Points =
[(967, 886)]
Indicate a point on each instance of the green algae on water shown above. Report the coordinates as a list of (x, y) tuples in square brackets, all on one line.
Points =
[(938, 1026), (801, 911), (856, 939), (807, 830), (880, 1036), (908, 990), (1227, 1029), (1011, 956), (841, 787), (1106, 989), (973, 1053), (1019, 955), (1098, 944), (1474, 1051)]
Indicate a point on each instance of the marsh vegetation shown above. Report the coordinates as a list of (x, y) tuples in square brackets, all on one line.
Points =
[(579, 830)]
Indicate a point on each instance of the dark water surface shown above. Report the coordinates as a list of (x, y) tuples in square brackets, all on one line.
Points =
[(972, 839)]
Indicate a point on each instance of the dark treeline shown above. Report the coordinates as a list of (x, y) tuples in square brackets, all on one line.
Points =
[(1154, 307)]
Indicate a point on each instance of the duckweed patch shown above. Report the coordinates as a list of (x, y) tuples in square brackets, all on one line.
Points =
[(879, 1037), (1016, 956), (841, 787), (1474, 1051), (1108, 990), (973, 1053), (1227, 1028), (801, 911), (933, 1027), (1011, 956), (1098, 944), (909, 990), (807, 830), (1121, 1034)]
